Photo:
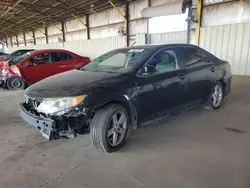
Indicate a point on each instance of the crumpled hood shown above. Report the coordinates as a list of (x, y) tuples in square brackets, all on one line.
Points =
[(73, 83)]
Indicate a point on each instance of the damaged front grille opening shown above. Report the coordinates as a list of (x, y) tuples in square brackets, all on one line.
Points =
[(68, 125)]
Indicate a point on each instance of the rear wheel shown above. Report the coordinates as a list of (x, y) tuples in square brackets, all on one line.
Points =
[(109, 128), (216, 96), (15, 83)]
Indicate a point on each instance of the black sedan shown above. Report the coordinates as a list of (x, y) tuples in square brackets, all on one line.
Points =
[(125, 89)]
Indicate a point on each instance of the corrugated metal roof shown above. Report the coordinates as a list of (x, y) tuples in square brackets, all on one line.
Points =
[(17, 16)]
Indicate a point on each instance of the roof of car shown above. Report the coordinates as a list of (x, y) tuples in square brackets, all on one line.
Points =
[(52, 50), (161, 45)]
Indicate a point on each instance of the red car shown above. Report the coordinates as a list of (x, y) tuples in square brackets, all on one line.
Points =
[(34, 66)]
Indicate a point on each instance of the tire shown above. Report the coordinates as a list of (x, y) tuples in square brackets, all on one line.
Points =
[(15, 83), (103, 124), (216, 96)]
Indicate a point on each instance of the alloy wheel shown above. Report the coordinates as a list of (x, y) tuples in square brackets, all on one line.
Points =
[(117, 128), (217, 95), (16, 83)]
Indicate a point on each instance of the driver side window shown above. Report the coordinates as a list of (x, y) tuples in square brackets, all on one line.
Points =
[(163, 61)]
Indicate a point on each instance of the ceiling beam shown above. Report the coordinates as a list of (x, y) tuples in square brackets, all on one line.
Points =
[(51, 15), (10, 8), (42, 6), (19, 11), (40, 19)]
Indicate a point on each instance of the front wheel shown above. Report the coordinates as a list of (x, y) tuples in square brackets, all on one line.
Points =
[(15, 83), (216, 96), (109, 128)]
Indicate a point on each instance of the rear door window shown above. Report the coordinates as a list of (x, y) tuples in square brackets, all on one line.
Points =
[(60, 56), (193, 57), (42, 58)]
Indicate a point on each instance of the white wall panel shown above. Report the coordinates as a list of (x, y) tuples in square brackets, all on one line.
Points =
[(136, 7), (39, 33), (105, 31), (76, 35), (14, 40), (74, 24), (231, 43), (140, 39), (138, 26), (54, 29), (55, 38), (41, 40), (168, 38), (106, 17), (91, 48), (229, 13), (158, 2), (95, 47), (209, 2), (29, 35), (8, 41)]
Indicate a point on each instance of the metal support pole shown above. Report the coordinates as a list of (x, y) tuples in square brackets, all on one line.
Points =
[(119, 10), (198, 24), (189, 23), (63, 32), (148, 39), (46, 35), (87, 24), (34, 37), (127, 22), (17, 43), (24, 39), (125, 17), (121, 13), (11, 43)]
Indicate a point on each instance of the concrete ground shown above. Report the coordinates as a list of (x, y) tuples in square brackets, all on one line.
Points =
[(198, 149)]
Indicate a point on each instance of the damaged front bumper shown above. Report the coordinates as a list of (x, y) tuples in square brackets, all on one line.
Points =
[(55, 127), (46, 126)]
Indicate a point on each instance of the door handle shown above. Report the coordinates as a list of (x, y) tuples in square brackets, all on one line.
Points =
[(212, 69), (181, 77), (157, 85)]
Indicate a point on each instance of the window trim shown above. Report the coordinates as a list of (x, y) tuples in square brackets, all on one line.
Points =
[(200, 50), (51, 56), (34, 55), (160, 73)]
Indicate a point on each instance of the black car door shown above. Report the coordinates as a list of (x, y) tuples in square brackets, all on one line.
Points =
[(200, 72), (161, 85)]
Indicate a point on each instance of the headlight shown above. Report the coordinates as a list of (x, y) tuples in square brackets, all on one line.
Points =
[(4, 72), (59, 105)]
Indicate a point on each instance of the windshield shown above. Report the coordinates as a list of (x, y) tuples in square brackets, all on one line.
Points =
[(15, 60), (117, 61)]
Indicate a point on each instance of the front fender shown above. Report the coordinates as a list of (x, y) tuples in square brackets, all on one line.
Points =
[(125, 101), (14, 70)]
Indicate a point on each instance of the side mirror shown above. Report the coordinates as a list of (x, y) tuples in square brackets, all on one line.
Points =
[(144, 71), (28, 64)]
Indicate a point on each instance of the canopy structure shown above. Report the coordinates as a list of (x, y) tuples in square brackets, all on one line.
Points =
[(22, 15)]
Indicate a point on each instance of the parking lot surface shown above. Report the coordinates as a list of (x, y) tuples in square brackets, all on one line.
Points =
[(197, 149)]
